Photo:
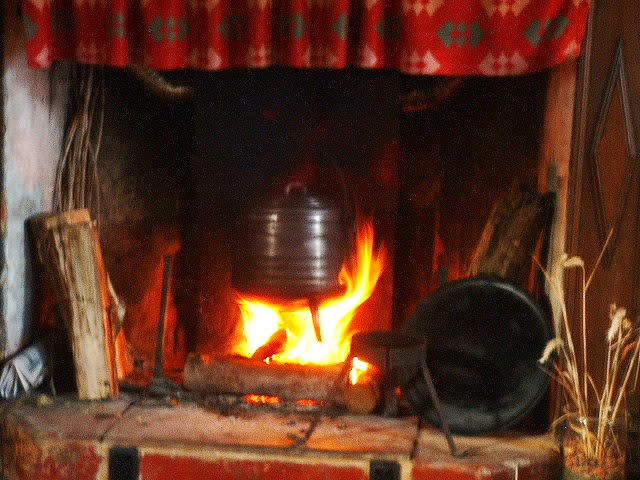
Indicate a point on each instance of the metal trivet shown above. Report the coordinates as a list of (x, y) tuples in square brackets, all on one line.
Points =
[(397, 354)]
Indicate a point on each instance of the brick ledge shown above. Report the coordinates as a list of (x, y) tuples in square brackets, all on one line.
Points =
[(66, 439)]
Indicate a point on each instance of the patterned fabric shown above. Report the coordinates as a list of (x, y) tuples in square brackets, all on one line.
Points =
[(441, 37)]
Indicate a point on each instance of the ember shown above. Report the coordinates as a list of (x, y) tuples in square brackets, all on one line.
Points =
[(262, 399)]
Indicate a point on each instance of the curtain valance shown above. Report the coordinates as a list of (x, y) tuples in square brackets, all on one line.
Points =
[(430, 37)]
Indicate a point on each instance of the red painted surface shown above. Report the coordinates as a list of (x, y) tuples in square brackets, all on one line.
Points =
[(67, 461), (161, 467), (428, 472)]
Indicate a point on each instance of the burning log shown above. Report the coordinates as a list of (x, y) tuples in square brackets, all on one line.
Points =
[(273, 346), (68, 246), (241, 375), (363, 396)]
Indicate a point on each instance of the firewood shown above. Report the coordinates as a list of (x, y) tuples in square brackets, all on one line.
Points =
[(241, 375), (321, 383), (68, 247), (510, 235), (363, 396)]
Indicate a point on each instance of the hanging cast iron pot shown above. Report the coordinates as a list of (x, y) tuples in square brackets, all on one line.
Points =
[(292, 246)]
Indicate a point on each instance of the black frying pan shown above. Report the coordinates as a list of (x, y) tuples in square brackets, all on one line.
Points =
[(484, 337)]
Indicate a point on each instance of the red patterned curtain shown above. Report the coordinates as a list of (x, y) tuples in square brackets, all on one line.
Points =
[(433, 37)]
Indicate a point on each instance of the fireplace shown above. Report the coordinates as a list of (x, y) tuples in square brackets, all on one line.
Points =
[(417, 163)]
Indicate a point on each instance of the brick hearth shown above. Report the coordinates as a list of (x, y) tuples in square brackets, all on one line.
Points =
[(128, 439)]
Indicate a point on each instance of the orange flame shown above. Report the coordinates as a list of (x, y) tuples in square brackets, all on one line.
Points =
[(358, 367), (262, 319)]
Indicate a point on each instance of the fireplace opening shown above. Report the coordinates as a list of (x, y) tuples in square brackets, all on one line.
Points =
[(417, 163)]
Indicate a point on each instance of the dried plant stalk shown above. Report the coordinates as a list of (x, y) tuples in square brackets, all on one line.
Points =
[(76, 183), (621, 365)]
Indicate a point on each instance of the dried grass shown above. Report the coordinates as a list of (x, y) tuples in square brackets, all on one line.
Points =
[(581, 396)]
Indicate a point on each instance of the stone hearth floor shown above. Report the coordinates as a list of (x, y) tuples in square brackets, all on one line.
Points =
[(126, 439)]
